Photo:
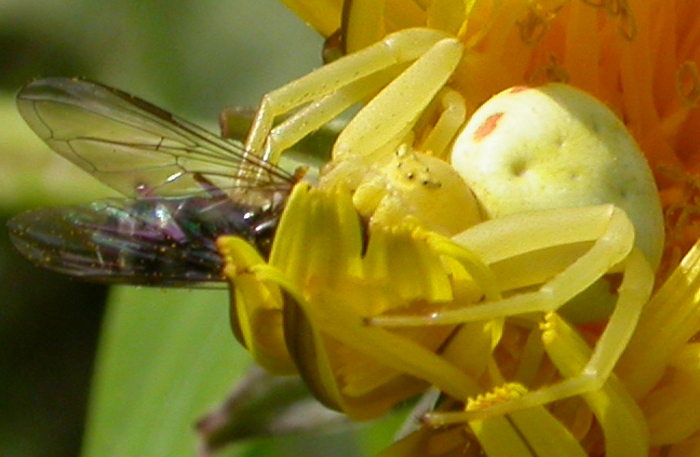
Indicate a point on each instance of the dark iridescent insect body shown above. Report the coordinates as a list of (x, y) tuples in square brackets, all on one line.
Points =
[(186, 187), (150, 241)]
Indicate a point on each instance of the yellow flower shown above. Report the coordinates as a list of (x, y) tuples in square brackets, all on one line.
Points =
[(658, 376), (325, 278), (639, 57)]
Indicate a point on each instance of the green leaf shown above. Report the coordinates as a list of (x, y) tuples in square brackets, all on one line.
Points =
[(168, 357), (165, 358)]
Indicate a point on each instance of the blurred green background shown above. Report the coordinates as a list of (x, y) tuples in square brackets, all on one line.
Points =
[(166, 356)]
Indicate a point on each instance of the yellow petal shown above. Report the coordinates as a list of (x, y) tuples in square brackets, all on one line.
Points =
[(622, 421), (670, 319), (322, 15), (529, 432), (254, 306), (672, 409)]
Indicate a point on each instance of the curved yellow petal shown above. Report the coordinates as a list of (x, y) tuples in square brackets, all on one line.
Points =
[(324, 16)]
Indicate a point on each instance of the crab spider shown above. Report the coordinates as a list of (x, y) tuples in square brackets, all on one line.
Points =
[(544, 253)]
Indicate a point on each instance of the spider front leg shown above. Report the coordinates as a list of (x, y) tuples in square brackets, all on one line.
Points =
[(524, 236), (451, 115), (405, 71)]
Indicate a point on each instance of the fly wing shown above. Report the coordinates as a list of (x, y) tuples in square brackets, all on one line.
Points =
[(156, 241), (135, 147)]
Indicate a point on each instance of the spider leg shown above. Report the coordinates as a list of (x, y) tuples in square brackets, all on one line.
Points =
[(435, 55), (450, 120), (383, 123), (612, 235), (633, 294), (606, 226)]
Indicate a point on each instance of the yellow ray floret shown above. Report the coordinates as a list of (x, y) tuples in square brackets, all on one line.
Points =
[(308, 306)]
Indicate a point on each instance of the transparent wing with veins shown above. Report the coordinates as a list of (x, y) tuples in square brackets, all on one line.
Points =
[(186, 187), (133, 146)]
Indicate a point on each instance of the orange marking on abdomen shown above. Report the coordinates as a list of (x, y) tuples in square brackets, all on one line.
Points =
[(487, 127)]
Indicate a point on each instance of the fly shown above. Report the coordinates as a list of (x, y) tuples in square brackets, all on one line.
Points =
[(184, 187)]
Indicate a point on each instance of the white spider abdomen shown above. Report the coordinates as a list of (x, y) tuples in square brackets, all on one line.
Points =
[(555, 146)]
